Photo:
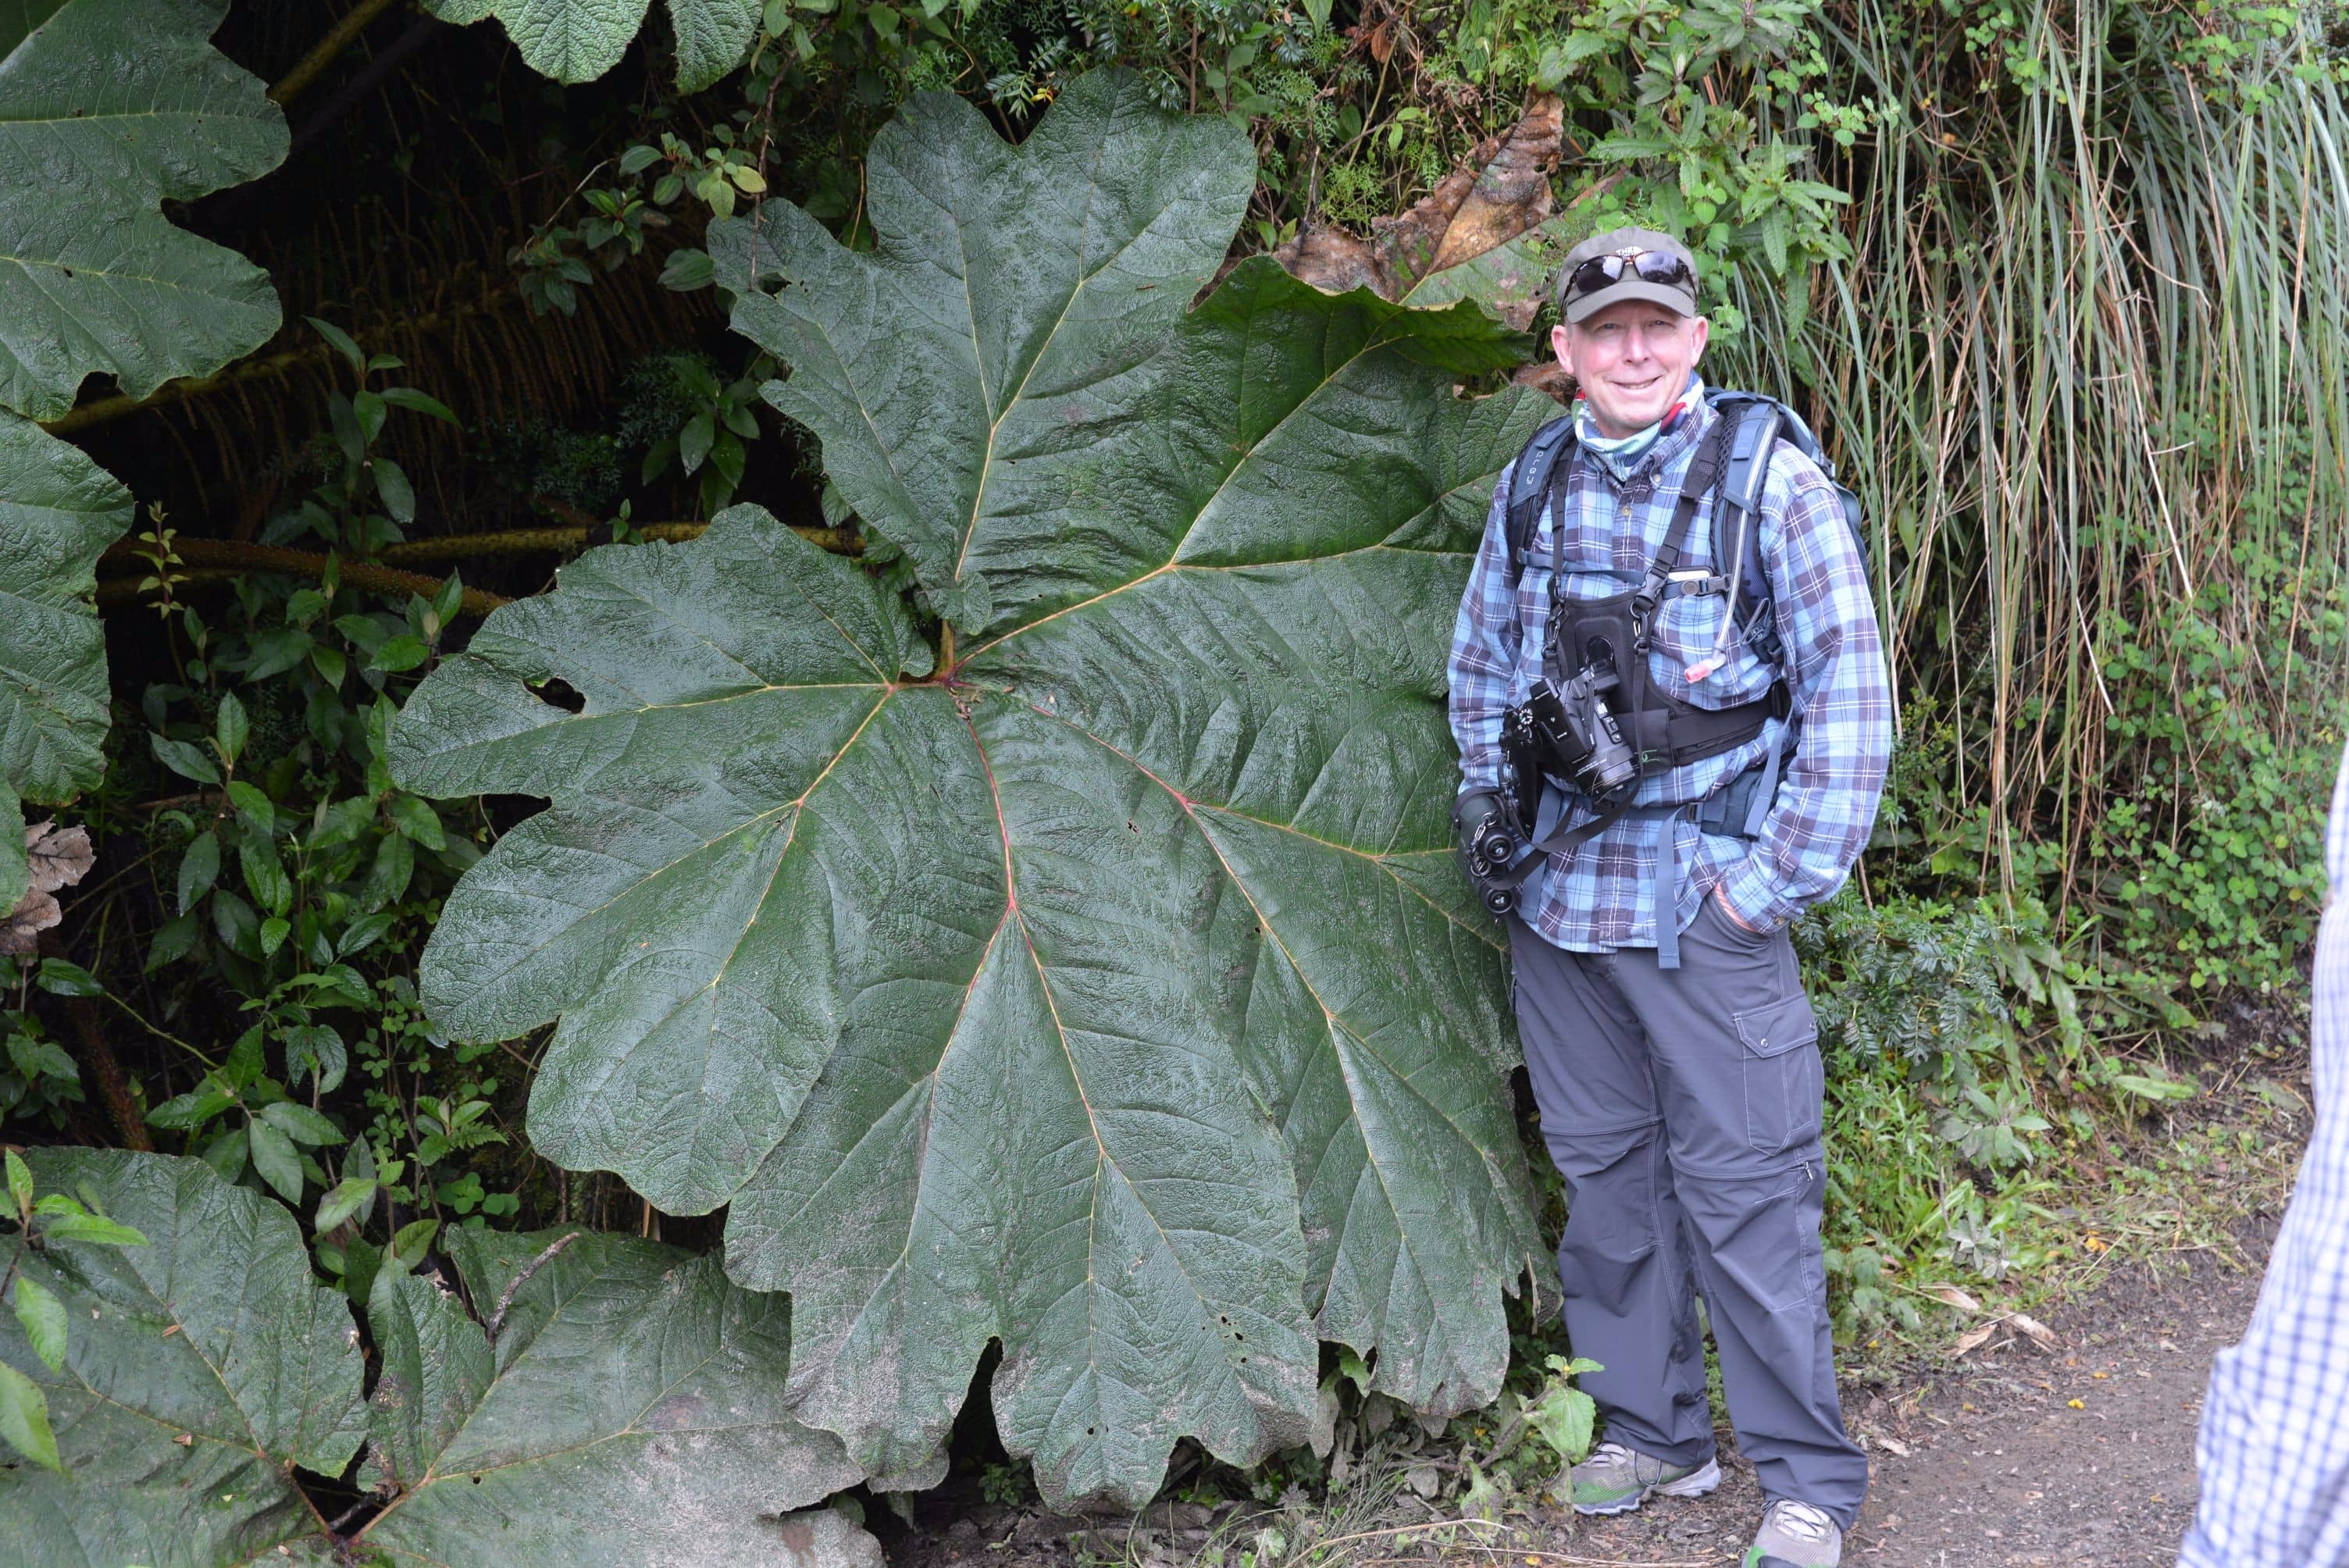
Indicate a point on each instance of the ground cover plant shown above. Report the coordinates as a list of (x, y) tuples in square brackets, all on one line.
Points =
[(763, 711)]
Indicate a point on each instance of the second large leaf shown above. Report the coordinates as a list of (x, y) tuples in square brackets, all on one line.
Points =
[(1108, 992)]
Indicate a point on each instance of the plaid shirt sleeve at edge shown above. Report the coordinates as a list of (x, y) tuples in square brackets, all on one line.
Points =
[(2274, 1450), (1485, 641), (1835, 663)]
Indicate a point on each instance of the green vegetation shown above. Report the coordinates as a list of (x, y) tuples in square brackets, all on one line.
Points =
[(972, 805)]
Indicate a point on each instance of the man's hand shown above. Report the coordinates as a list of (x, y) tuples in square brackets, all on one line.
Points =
[(1720, 897)]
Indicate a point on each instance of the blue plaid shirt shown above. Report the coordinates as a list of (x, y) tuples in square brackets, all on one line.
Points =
[(2274, 1450), (1602, 898)]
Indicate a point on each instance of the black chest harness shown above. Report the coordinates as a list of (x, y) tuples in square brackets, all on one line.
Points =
[(1596, 719)]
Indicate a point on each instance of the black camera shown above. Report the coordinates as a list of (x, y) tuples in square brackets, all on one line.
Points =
[(1489, 846), (1568, 732)]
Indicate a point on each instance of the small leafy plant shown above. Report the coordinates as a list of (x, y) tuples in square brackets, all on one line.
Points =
[(39, 1220)]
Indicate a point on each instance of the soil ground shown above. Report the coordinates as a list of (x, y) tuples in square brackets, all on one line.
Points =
[(2072, 1444), (2020, 1454)]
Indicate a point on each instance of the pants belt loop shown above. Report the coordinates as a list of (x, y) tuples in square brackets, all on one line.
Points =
[(1667, 897)]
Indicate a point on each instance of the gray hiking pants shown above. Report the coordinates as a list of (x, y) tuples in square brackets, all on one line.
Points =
[(1682, 1108)]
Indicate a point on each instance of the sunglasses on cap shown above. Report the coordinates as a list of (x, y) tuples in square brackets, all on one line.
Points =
[(1654, 267)]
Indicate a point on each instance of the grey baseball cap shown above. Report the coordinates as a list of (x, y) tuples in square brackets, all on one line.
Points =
[(1638, 247)]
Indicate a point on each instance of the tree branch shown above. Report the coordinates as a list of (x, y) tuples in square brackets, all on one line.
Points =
[(336, 40), (213, 559), (505, 1298)]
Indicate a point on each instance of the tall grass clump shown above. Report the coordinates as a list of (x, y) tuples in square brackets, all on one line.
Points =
[(2084, 359)]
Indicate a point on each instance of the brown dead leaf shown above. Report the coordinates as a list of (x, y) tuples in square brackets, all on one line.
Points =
[(2037, 1330), (57, 858), (1953, 1295), (1549, 375), (1973, 1338), (1500, 192)]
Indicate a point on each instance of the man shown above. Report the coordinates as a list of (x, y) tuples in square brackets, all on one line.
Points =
[(1671, 1050), (2274, 1445)]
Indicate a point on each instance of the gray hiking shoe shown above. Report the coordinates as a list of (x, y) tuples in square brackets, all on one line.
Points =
[(1617, 1480), (1795, 1535)]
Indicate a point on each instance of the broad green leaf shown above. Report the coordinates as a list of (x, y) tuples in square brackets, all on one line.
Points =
[(1006, 281), (58, 512), (1114, 994), (184, 758), (212, 1332), (354, 1195), (93, 1230), (43, 1318), (579, 40), (231, 727), (302, 1124), (108, 108), (274, 1157), (631, 1410), (63, 977), (198, 869), (24, 1419)]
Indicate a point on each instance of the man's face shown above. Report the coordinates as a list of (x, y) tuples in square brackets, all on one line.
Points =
[(1631, 360)]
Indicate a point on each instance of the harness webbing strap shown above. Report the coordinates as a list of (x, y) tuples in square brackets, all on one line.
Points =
[(1703, 474), (1760, 810), (1665, 897)]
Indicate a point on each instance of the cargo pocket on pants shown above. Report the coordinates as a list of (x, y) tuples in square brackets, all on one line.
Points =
[(1780, 1043)]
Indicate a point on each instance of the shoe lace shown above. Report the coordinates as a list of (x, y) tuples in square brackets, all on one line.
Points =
[(1615, 1452), (1801, 1520)]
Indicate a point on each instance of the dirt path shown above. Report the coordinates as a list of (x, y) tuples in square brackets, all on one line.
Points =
[(1991, 1465), (2072, 1449), (1985, 1465)]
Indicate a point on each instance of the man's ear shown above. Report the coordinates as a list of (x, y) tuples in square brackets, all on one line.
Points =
[(1703, 332), (1561, 344)]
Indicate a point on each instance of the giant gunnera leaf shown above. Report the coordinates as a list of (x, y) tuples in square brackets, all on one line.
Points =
[(199, 1368), (108, 109), (58, 512), (629, 1407), (630, 1410), (579, 40), (1107, 989)]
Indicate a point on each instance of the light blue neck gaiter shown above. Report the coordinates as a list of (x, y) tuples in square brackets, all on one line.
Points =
[(1621, 454)]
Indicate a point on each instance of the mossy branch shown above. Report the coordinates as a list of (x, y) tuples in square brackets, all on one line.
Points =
[(340, 38), (219, 560), (211, 561)]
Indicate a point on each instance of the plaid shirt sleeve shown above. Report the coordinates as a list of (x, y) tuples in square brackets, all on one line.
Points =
[(1486, 638), (1833, 658), (2274, 1450)]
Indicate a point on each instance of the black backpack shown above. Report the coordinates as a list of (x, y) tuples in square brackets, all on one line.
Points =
[(1759, 421)]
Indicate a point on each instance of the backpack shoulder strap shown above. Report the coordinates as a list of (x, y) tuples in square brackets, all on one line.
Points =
[(1756, 423), (1529, 484), (1762, 422)]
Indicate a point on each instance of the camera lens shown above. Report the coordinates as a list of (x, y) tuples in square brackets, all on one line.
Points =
[(1501, 900)]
